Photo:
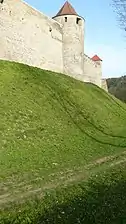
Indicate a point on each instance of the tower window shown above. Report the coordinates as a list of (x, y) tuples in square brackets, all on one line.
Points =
[(78, 21), (50, 29), (65, 19)]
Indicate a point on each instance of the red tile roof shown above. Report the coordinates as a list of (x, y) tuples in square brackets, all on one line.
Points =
[(96, 58), (67, 9)]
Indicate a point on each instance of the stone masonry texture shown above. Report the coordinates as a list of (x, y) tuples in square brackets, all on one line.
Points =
[(57, 44)]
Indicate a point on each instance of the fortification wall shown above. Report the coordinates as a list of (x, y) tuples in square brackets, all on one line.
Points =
[(29, 37), (104, 85), (92, 71)]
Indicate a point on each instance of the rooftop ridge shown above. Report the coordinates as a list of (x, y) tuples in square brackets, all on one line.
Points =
[(67, 9), (96, 58)]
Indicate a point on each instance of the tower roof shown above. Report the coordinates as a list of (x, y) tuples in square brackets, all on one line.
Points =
[(96, 58), (67, 9)]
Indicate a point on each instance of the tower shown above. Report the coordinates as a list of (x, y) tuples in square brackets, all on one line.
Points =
[(97, 59), (73, 40), (98, 72)]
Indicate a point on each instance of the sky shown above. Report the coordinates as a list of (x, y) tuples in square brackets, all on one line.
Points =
[(103, 35)]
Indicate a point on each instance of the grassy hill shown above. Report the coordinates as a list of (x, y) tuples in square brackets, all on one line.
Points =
[(60, 140), (117, 87)]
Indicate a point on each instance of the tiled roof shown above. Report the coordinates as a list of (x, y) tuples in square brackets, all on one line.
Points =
[(67, 9), (96, 58)]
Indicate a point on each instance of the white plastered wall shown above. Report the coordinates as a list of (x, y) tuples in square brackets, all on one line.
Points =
[(29, 37), (92, 71)]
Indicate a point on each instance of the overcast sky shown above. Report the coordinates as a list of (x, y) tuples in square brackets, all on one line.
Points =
[(102, 33)]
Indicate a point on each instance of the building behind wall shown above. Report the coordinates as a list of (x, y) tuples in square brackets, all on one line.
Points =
[(56, 44)]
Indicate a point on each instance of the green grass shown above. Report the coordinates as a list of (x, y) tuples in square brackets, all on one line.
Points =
[(54, 132)]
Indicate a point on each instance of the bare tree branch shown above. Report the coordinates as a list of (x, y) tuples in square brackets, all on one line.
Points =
[(120, 9)]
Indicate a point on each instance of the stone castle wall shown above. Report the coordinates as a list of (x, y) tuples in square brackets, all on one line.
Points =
[(30, 37), (104, 85), (92, 71)]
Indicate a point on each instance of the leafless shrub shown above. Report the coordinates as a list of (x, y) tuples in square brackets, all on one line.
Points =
[(120, 9)]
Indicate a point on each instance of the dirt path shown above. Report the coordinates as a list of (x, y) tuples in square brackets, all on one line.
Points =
[(24, 190)]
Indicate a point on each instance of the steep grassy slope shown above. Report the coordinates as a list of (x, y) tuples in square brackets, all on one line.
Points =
[(54, 131)]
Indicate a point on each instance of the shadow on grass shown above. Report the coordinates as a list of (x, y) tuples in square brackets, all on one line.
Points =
[(100, 200), (100, 204), (67, 104)]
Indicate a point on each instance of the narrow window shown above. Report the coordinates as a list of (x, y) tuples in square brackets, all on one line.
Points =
[(1, 1), (65, 19), (50, 29), (78, 21)]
